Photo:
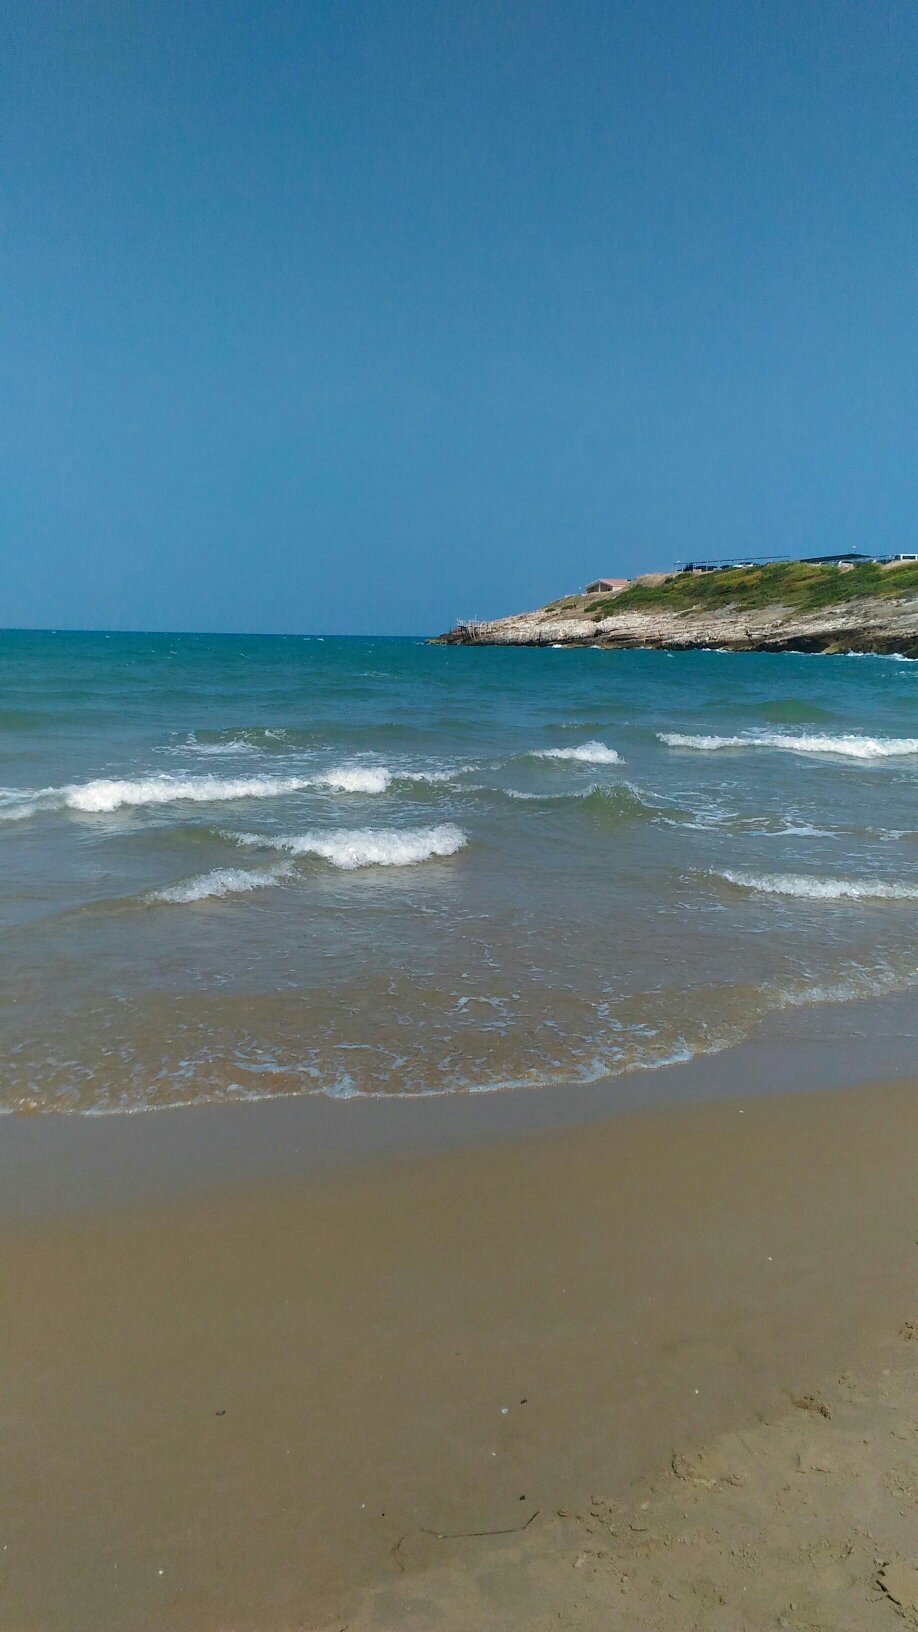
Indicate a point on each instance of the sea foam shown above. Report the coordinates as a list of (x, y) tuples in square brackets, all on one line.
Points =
[(589, 753), (848, 744), (366, 847), (821, 889)]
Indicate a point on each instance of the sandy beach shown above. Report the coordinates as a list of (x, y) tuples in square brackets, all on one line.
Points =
[(287, 1400), (806, 1519), (458, 1091)]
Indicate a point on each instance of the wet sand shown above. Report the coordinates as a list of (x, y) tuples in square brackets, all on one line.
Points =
[(246, 1406)]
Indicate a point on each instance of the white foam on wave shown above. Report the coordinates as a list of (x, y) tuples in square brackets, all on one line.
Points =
[(103, 795), (537, 798), (848, 744), (107, 795), (356, 779), (18, 803), (884, 657), (799, 830), (435, 778), (623, 793), (821, 889), (588, 753), (222, 881), (214, 750), (366, 847)]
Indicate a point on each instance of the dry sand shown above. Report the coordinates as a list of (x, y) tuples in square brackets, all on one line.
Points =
[(247, 1412), (808, 1520)]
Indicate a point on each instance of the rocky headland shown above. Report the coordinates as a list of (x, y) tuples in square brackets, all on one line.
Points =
[(869, 608)]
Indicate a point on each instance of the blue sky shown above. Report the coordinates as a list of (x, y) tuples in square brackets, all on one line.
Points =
[(361, 316)]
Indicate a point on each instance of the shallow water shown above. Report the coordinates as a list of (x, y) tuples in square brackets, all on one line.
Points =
[(237, 866)]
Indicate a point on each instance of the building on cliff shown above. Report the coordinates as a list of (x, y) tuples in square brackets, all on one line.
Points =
[(725, 563)]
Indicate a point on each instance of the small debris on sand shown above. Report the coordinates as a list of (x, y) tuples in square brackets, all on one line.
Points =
[(812, 1402), (774, 1525)]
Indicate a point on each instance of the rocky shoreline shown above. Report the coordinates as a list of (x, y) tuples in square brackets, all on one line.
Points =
[(882, 626)]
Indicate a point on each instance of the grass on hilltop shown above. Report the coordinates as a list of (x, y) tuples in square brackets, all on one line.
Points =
[(798, 584)]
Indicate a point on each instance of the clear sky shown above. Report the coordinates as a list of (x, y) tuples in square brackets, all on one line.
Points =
[(359, 316)]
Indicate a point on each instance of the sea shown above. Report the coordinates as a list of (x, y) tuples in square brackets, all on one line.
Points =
[(246, 866)]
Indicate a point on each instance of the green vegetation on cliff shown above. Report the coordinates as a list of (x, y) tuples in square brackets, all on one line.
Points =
[(794, 584)]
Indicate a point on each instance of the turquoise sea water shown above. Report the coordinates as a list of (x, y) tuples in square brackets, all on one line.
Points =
[(237, 866)]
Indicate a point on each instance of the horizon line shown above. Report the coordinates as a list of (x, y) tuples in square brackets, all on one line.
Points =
[(208, 634)]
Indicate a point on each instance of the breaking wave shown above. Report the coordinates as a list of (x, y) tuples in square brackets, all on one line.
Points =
[(434, 778), (222, 881), (848, 743), (17, 803), (356, 779), (104, 794), (366, 847), (589, 753), (821, 889)]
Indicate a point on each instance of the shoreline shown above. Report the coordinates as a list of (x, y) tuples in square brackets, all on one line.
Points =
[(54, 1163), (272, 1372)]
